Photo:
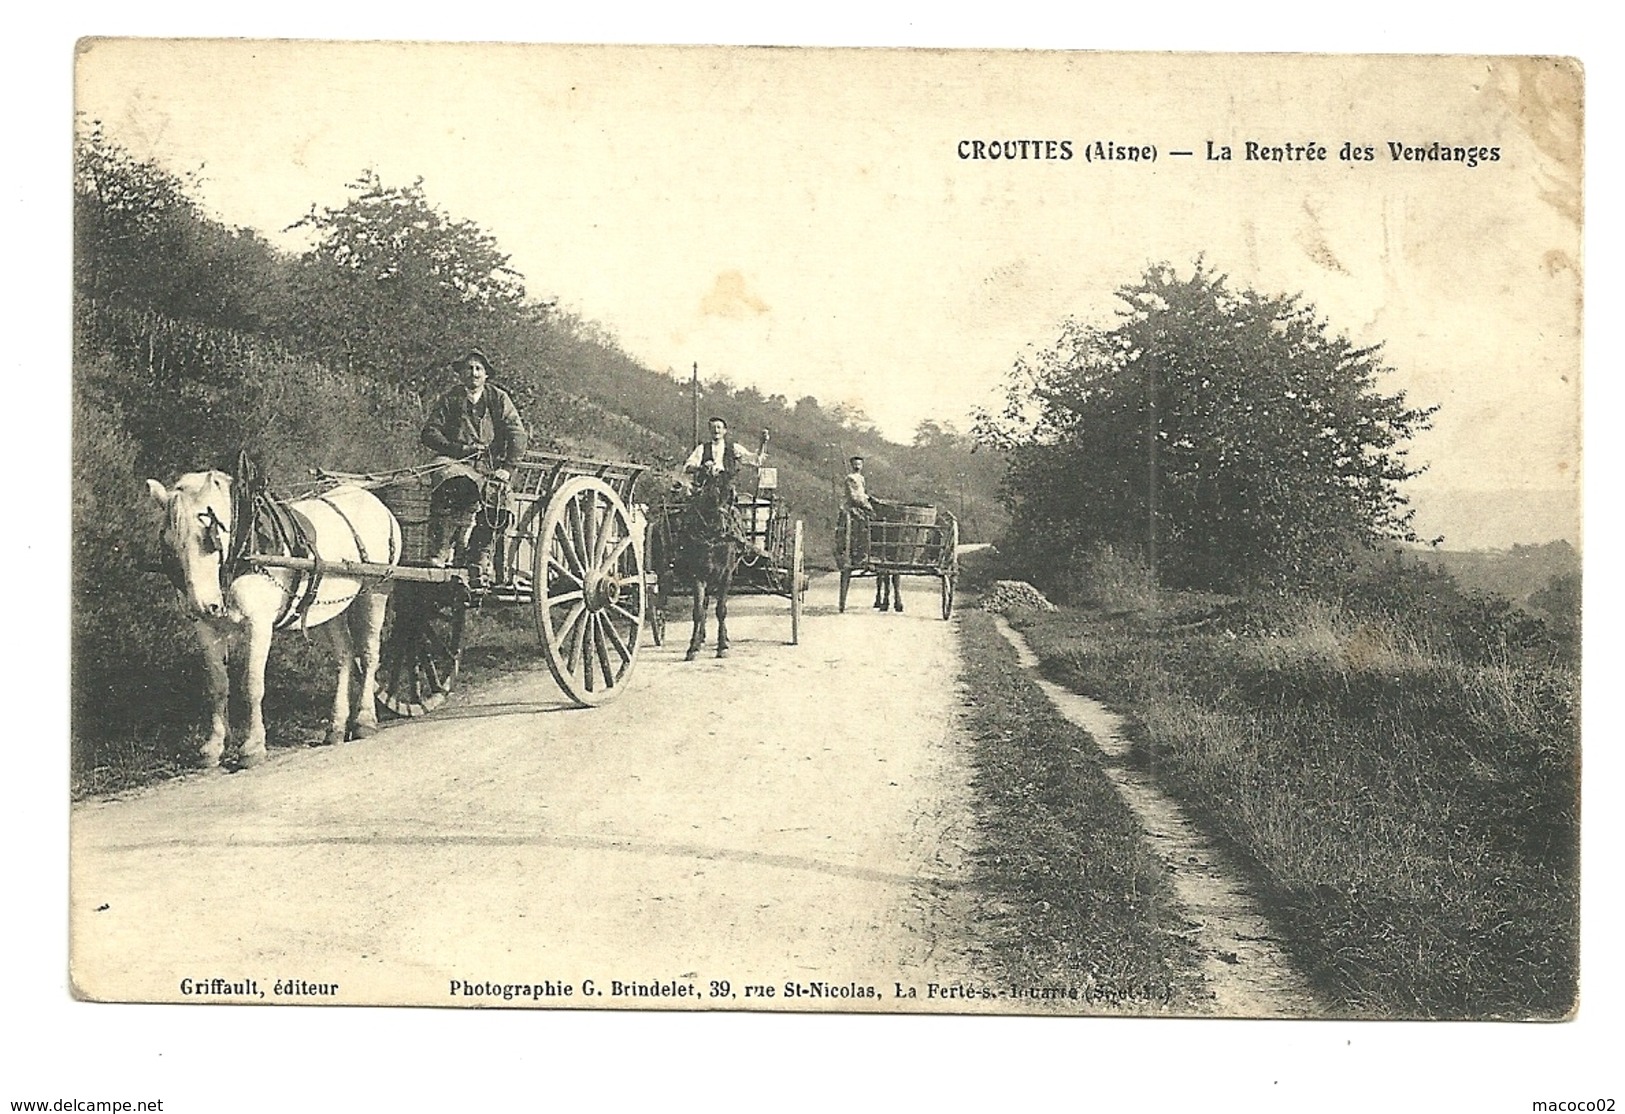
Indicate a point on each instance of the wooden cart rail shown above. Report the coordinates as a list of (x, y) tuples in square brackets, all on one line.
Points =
[(540, 474), (911, 549)]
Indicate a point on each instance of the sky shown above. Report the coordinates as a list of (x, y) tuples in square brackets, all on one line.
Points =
[(805, 221)]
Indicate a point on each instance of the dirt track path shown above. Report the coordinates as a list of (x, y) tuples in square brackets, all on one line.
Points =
[(1247, 972), (790, 814)]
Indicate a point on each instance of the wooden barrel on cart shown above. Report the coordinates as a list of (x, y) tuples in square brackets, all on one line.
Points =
[(905, 531)]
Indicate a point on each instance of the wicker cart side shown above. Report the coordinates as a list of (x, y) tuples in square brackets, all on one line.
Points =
[(408, 499)]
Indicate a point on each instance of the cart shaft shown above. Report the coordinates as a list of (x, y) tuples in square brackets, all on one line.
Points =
[(364, 570)]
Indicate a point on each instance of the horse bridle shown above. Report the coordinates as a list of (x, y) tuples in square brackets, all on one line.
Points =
[(212, 540)]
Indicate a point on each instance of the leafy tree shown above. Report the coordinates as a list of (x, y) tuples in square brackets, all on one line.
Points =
[(395, 287), (932, 434), (1259, 437), (141, 241)]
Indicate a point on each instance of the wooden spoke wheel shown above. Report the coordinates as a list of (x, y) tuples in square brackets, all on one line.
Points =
[(589, 589), (422, 646), (657, 617), (798, 582), (951, 559)]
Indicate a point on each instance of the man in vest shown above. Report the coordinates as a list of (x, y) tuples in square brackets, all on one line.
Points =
[(721, 454), (477, 436)]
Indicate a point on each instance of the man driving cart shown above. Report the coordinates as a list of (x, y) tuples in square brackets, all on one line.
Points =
[(477, 436)]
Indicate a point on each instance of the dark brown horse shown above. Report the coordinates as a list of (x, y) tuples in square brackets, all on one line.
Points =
[(888, 591), (888, 585), (706, 546)]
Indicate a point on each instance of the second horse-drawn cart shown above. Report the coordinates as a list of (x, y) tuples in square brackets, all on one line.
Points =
[(772, 556)]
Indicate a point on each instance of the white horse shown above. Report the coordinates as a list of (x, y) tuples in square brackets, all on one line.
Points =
[(237, 606)]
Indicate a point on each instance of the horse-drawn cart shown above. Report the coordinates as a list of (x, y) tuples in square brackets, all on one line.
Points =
[(573, 551), (771, 559), (902, 539)]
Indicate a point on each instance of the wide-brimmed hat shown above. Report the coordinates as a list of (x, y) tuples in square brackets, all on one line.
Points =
[(476, 354)]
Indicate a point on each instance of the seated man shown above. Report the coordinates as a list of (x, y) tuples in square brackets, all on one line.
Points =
[(857, 492), (722, 454), (477, 436), (721, 457), (859, 508)]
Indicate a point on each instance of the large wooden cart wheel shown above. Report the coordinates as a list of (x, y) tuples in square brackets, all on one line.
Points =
[(589, 590), (846, 583), (798, 582), (422, 645)]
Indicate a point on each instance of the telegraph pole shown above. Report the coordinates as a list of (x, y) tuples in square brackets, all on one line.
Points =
[(1151, 463), (1151, 426), (694, 390)]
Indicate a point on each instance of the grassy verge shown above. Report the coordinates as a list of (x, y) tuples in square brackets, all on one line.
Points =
[(1411, 818), (1075, 900)]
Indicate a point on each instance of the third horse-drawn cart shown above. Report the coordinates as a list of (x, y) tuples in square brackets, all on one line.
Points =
[(772, 553), (900, 539)]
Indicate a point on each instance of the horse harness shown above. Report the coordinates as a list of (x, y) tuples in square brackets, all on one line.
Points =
[(275, 527), (711, 516)]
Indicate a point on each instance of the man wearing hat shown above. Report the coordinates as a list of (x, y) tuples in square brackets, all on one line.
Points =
[(860, 508), (857, 491), (477, 437)]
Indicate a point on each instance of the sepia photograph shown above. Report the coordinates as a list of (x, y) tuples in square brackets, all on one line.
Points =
[(564, 533)]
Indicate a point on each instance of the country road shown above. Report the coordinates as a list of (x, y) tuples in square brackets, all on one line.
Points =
[(789, 815)]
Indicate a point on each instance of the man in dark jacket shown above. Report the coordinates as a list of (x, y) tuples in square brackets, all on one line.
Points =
[(477, 436)]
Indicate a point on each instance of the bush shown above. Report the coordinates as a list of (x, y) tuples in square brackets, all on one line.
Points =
[(134, 671), (979, 567), (1109, 578)]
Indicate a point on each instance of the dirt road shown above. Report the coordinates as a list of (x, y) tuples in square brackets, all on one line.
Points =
[(790, 815)]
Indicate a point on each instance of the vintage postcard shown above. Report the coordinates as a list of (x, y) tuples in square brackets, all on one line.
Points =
[(821, 530)]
